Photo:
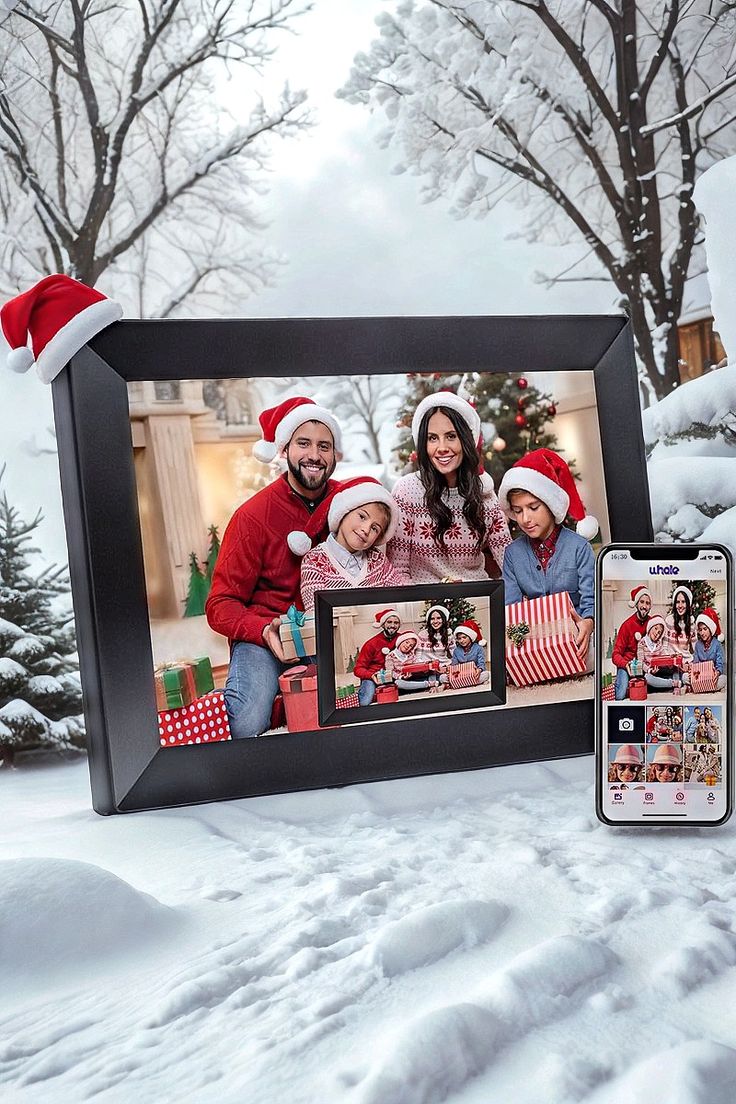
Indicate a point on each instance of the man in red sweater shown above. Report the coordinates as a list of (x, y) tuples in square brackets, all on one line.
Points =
[(372, 656), (257, 577), (627, 638)]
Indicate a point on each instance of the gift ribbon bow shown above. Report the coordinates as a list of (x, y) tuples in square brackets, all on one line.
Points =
[(296, 620), (518, 633)]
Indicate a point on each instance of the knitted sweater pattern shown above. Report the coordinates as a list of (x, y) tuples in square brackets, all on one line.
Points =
[(321, 572), (414, 552)]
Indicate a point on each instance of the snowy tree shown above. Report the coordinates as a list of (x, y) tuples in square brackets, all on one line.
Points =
[(40, 693), (113, 159), (594, 116)]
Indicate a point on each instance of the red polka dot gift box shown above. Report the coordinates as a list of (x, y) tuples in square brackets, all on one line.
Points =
[(203, 722)]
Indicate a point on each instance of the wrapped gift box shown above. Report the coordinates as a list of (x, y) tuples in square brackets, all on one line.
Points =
[(608, 689), (387, 693), (203, 721), (460, 675), (637, 668), (703, 678), (548, 650), (179, 684), (425, 667), (637, 689), (299, 687), (657, 661), (297, 634), (346, 697)]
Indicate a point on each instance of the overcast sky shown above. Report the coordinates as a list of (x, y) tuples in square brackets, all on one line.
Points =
[(356, 237)]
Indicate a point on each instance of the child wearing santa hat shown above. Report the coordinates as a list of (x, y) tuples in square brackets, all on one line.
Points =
[(547, 557), (654, 642), (708, 646), (469, 647), (360, 514), (404, 655)]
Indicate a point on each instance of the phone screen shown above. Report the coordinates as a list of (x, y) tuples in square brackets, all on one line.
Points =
[(663, 684)]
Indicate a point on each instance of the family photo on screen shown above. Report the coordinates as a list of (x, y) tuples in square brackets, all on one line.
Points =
[(458, 484)]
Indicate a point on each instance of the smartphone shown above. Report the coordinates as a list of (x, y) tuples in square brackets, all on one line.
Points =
[(664, 684)]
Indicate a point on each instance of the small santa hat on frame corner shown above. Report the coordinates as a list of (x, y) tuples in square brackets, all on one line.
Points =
[(59, 315)]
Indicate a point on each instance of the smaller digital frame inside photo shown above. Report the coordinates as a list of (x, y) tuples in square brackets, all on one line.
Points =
[(401, 652)]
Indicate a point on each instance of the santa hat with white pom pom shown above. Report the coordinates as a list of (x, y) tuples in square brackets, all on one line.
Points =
[(59, 315), (544, 474), (280, 423), (349, 495)]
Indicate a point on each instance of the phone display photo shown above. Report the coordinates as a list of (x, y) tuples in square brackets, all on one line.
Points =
[(664, 684)]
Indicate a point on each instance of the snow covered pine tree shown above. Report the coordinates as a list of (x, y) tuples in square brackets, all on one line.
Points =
[(40, 690)]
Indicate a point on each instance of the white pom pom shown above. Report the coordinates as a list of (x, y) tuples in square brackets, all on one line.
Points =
[(721, 637), (19, 360), (299, 542), (486, 484), (482, 642), (385, 651), (637, 636), (265, 451), (588, 527)]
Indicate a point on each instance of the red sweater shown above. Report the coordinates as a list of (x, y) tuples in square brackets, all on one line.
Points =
[(256, 577), (371, 657), (626, 644)]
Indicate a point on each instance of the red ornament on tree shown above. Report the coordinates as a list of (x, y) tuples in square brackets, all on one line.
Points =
[(521, 403), (522, 383), (413, 457), (551, 410), (520, 421)]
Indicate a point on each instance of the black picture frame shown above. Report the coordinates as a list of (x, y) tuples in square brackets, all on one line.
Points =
[(326, 601), (129, 770)]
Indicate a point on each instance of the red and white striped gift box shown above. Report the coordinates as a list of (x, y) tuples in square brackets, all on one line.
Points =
[(461, 675), (548, 652), (703, 677), (203, 722)]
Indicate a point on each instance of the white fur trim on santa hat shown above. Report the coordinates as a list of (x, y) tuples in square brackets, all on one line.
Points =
[(299, 542), (297, 416), (470, 633), (437, 609), (361, 495), (446, 398), (68, 340), (520, 478), (704, 619), (383, 615), (409, 634), (682, 590), (654, 621), (487, 486)]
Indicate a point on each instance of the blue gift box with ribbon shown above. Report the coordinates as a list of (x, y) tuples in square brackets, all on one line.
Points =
[(297, 634)]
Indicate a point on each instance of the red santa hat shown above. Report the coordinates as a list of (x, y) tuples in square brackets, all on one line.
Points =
[(472, 629), (469, 415), (544, 474), (652, 623), (682, 590), (408, 634), (349, 495), (710, 618), (637, 593), (280, 423), (383, 615), (59, 315)]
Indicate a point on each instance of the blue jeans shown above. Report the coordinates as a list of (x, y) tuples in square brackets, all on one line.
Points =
[(251, 687), (366, 691), (621, 687)]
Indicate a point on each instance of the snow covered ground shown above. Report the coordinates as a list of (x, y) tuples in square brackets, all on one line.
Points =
[(474, 937)]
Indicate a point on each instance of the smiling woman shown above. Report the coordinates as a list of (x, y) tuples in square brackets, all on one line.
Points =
[(450, 516)]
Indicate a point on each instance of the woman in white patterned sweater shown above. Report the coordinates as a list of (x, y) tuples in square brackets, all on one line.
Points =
[(360, 515), (449, 513)]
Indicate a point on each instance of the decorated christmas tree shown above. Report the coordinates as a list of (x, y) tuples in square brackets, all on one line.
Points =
[(199, 588), (515, 416), (40, 691)]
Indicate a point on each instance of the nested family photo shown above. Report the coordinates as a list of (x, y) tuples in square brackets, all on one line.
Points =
[(361, 484)]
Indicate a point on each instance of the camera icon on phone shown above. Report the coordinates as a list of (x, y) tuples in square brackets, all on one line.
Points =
[(626, 724)]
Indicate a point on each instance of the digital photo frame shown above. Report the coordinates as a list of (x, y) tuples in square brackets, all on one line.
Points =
[(129, 769)]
